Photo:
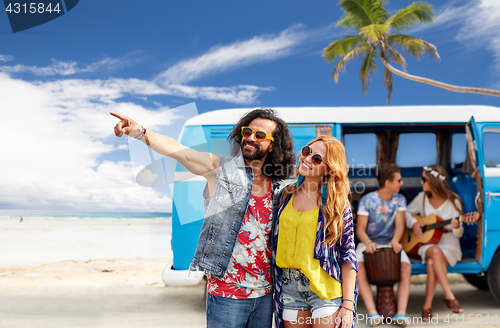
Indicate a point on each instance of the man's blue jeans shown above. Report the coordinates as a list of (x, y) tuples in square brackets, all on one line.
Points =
[(223, 312)]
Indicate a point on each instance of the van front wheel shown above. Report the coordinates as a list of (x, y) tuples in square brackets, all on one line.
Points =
[(480, 282), (493, 276)]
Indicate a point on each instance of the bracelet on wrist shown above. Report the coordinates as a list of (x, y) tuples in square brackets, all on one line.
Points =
[(345, 307), (141, 131), (142, 134), (348, 300)]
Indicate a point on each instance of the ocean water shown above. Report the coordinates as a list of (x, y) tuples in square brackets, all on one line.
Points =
[(62, 214), (42, 238)]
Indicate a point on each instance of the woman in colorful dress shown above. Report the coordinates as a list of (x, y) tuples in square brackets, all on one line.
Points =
[(313, 242)]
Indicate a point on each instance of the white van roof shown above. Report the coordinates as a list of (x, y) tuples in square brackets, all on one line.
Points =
[(385, 114)]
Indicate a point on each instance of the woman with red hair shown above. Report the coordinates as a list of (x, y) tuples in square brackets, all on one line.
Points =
[(313, 242)]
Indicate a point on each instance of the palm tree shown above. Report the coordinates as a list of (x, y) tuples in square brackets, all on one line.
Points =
[(373, 23)]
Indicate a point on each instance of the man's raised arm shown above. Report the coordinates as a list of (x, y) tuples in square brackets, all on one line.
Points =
[(200, 163)]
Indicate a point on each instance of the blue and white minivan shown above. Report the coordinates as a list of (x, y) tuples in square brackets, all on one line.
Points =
[(464, 139)]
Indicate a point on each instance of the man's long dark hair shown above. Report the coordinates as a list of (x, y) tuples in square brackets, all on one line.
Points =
[(280, 162)]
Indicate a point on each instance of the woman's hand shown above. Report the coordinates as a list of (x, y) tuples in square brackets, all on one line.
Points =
[(417, 229), (126, 126), (344, 317), (455, 223)]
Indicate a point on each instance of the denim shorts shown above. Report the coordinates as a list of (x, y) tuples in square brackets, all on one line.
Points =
[(298, 296)]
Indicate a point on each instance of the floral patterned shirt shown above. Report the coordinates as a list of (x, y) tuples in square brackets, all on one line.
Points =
[(381, 215), (249, 272)]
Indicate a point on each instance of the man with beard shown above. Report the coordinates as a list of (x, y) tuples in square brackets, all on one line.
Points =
[(234, 245)]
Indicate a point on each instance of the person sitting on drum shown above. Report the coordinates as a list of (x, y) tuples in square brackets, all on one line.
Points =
[(381, 221), (437, 198)]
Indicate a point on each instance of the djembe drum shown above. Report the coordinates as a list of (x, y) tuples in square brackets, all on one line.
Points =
[(383, 268)]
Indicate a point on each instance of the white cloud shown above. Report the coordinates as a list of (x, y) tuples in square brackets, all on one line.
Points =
[(481, 26), (223, 58), (241, 53), (107, 91), (475, 23), (449, 15), (240, 94), (63, 68), (57, 132), (5, 58), (174, 80), (483, 18)]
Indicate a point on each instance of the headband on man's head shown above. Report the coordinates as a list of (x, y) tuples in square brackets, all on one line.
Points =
[(435, 173)]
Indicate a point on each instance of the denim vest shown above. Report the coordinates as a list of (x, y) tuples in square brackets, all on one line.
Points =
[(224, 213)]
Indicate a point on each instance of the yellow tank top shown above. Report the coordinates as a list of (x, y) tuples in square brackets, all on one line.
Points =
[(296, 239)]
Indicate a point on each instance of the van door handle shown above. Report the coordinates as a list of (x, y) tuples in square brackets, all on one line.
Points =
[(491, 194)]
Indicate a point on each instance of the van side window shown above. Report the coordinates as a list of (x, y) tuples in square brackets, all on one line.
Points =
[(491, 140), (416, 150), (458, 149), (361, 150)]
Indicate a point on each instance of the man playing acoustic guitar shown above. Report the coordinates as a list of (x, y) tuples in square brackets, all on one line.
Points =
[(381, 221)]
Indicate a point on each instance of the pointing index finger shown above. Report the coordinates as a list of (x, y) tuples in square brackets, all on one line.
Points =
[(119, 116)]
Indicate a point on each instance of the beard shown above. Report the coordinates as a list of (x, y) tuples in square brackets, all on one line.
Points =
[(256, 154)]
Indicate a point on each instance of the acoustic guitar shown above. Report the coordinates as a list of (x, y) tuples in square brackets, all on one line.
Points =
[(432, 229)]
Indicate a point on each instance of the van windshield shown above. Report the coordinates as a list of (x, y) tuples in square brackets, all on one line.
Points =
[(361, 150), (416, 150)]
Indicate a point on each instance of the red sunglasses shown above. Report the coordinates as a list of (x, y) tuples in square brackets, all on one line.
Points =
[(316, 158)]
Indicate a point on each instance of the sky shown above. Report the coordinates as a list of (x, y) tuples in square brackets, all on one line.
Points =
[(60, 80)]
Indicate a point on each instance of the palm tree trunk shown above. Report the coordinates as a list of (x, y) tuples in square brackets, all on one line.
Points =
[(483, 91)]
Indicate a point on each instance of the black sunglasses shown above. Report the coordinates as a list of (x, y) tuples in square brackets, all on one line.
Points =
[(424, 180), (316, 158)]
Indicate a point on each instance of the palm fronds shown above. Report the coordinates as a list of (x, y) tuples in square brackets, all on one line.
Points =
[(351, 56), (341, 47), (368, 69), (387, 81), (374, 32), (349, 23), (413, 46), (395, 57), (364, 12), (417, 12), (372, 22)]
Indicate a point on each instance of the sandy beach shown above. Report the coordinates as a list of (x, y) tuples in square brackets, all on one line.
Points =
[(97, 293), (129, 293), (91, 272), (106, 273)]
